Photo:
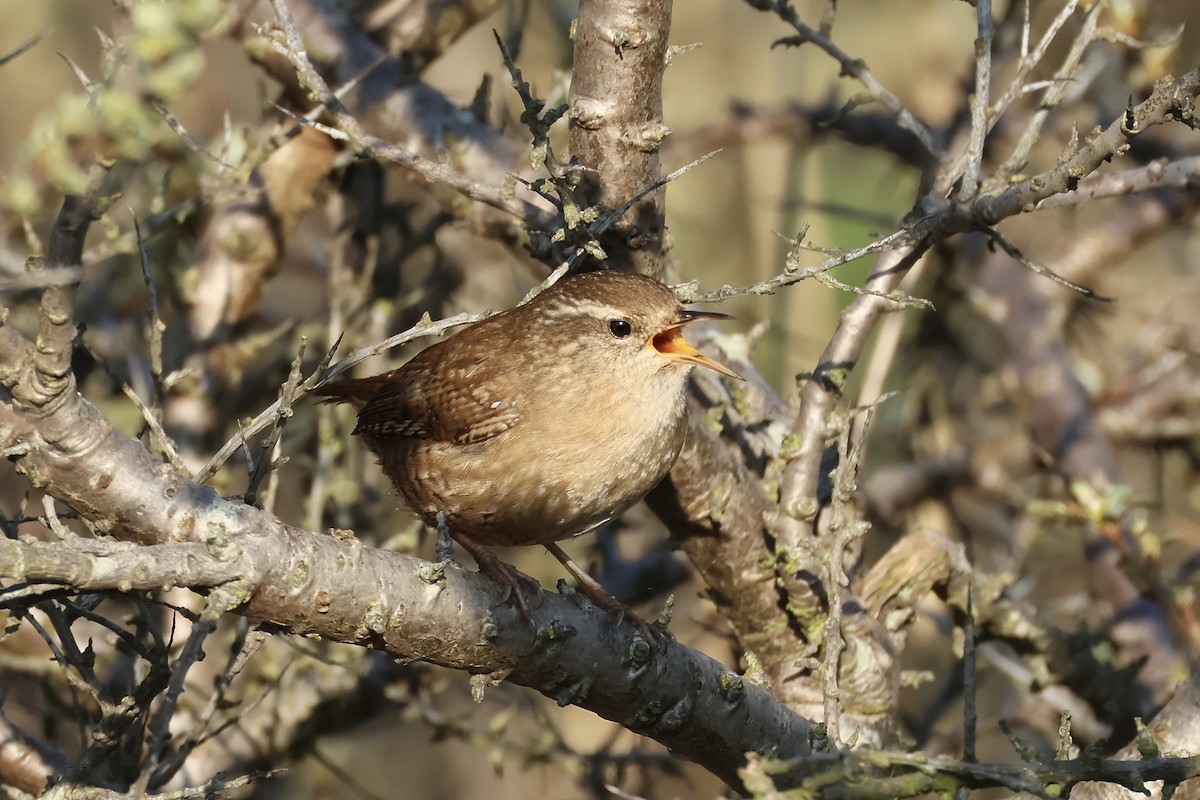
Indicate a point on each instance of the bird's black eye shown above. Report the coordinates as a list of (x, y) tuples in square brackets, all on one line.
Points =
[(619, 328)]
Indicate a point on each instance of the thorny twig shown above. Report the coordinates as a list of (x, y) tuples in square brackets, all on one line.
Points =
[(291, 47), (853, 67), (289, 393)]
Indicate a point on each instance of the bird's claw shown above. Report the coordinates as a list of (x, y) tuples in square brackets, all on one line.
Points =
[(517, 585)]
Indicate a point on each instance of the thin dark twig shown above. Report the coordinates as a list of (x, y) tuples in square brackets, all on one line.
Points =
[(1039, 269), (247, 642), (174, 124), (131, 641), (264, 691), (74, 679), (75, 666), (289, 393), (346, 777), (24, 48), (853, 67), (970, 687), (153, 320), (25, 518), (192, 653)]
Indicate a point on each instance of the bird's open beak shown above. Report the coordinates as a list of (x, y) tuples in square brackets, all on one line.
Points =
[(669, 343)]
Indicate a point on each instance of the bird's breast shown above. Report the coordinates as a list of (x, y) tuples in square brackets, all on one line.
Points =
[(536, 484)]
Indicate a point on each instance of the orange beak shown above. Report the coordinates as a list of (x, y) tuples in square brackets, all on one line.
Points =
[(669, 343)]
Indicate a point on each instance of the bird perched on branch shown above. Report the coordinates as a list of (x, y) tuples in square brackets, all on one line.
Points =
[(538, 423)]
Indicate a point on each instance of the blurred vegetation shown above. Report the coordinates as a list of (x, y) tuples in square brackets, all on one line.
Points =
[(176, 94)]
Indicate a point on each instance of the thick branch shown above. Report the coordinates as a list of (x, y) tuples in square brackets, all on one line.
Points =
[(51, 361), (96, 565), (717, 512), (617, 124)]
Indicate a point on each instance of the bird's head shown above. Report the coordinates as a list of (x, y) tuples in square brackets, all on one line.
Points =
[(630, 323)]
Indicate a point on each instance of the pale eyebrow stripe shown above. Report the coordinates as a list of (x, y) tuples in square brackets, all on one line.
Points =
[(589, 307)]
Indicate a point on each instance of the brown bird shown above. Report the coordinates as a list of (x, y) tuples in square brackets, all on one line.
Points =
[(541, 422)]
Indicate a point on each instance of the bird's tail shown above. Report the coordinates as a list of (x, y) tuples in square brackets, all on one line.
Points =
[(357, 392)]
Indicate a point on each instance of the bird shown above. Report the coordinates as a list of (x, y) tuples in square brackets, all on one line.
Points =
[(539, 423)]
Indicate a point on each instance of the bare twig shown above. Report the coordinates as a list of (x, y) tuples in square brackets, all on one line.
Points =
[(1039, 269), (970, 684), (1028, 60), (154, 323), (979, 102), (845, 530), (1053, 95), (217, 604), (914, 774), (795, 275), (153, 420), (291, 47), (174, 124), (24, 48), (52, 520), (1017, 87), (289, 393), (853, 67), (122, 566), (56, 332), (1183, 174), (249, 641)]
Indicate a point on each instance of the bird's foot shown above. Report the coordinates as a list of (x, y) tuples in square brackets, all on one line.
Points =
[(655, 633), (523, 589), (517, 585)]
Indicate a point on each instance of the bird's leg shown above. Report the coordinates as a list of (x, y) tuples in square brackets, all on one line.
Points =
[(516, 584), (443, 549), (599, 596)]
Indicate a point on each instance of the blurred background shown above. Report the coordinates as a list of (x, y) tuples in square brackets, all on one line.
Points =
[(785, 165)]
